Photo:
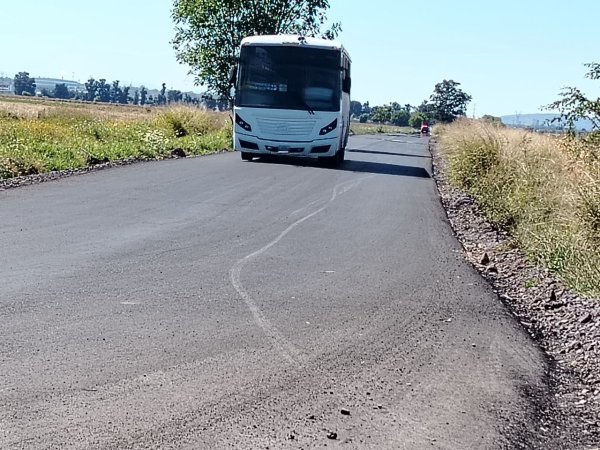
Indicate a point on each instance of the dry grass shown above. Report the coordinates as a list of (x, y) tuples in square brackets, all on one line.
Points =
[(33, 108), (38, 136), (370, 128), (544, 189)]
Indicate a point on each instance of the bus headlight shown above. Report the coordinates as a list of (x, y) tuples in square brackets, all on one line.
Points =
[(242, 123), (329, 128)]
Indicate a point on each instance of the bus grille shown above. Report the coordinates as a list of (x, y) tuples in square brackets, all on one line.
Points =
[(286, 127)]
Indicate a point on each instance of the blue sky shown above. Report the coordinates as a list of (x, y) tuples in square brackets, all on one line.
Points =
[(511, 56)]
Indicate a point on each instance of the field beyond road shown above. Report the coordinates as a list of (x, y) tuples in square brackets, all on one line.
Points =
[(38, 136)]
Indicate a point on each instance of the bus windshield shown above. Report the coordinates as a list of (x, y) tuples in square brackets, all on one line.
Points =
[(286, 77)]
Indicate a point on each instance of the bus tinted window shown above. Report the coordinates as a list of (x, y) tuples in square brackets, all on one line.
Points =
[(289, 78)]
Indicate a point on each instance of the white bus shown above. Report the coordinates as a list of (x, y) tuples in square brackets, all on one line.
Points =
[(292, 97)]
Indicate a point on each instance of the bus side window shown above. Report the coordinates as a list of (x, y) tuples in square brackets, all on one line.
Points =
[(346, 79), (347, 84)]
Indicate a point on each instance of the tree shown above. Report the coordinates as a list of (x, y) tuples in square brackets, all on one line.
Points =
[(209, 102), (355, 108), (575, 105), (174, 96), (493, 120), (400, 118), (23, 84), (427, 109), (381, 114), (91, 88), (61, 91), (103, 91), (143, 95), (136, 97), (416, 119), (366, 108), (449, 102), (124, 97), (162, 98), (208, 33), (115, 92)]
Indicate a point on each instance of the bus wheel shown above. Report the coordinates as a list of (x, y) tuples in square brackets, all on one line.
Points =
[(327, 161), (246, 156), (333, 161)]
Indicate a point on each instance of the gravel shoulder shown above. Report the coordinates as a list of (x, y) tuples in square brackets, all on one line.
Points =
[(566, 325)]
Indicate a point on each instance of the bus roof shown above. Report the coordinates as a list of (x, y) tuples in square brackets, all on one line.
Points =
[(292, 39)]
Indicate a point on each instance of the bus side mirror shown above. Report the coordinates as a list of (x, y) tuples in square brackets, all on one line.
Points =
[(233, 75), (347, 84)]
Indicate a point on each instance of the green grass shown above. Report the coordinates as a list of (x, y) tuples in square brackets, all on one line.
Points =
[(544, 190), (40, 136)]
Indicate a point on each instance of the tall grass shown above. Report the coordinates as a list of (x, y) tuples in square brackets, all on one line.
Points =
[(544, 189), (37, 137)]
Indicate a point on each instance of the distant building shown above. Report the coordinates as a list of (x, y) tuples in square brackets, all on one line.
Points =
[(50, 83), (6, 88)]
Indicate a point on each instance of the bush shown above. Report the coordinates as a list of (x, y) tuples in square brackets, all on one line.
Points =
[(544, 190), (182, 121), (416, 119), (493, 120)]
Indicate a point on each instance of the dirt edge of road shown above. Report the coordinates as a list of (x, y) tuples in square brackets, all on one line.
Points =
[(565, 326)]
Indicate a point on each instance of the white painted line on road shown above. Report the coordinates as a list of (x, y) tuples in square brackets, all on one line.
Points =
[(298, 211), (289, 351)]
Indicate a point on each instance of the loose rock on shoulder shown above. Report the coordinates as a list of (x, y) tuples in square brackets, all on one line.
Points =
[(566, 325)]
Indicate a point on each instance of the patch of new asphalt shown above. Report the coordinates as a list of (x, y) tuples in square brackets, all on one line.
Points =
[(211, 303)]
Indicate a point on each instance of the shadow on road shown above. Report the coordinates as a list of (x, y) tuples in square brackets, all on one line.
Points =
[(384, 169), (373, 152), (351, 166)]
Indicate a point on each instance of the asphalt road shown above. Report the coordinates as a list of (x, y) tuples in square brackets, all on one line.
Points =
[(213, 303)]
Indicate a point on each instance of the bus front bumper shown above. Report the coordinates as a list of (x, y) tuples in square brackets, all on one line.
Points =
[(314, 149)]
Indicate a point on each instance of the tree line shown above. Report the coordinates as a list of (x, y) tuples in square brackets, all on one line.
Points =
[(101, 91), (446, 104)]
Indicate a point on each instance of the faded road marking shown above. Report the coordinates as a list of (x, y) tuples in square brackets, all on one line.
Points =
[(289, 351)]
